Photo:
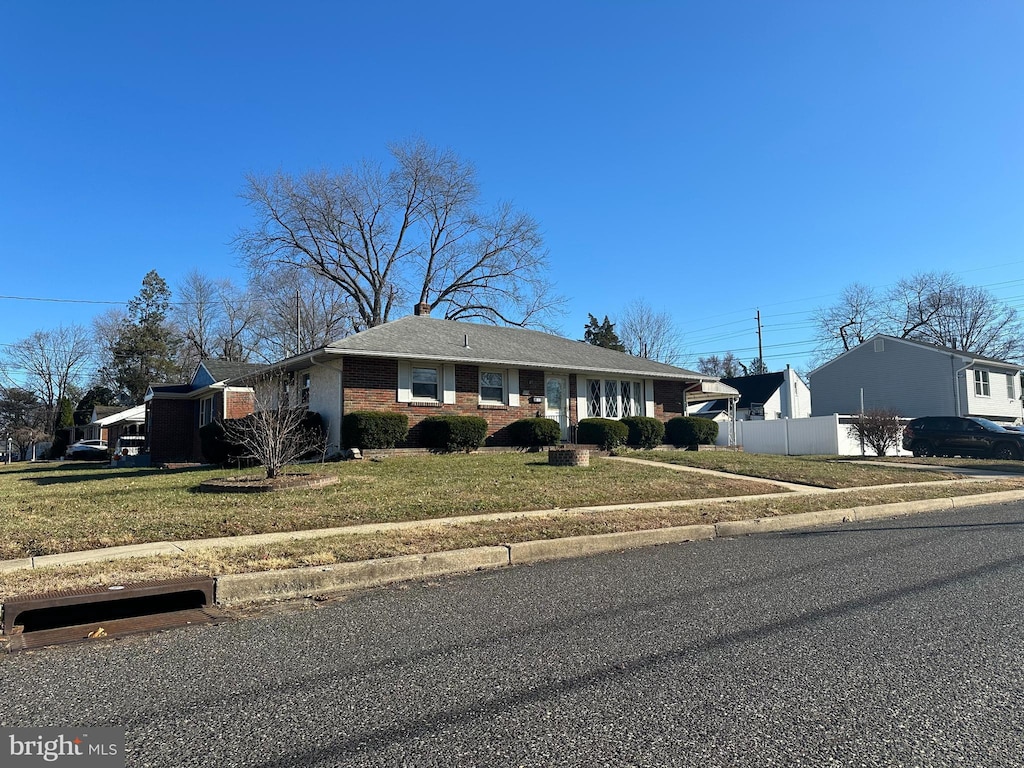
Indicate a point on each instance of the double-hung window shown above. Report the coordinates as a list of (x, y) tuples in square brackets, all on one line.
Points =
[(425, 383), (492, 388), (1011, 387), (981, 385)]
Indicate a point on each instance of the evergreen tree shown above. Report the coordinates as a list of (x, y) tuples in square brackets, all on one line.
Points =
[(602, 334), (757, 366), (97, 395), (146, 347)]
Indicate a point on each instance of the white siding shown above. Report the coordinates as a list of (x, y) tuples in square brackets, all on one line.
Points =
[(325, 399), (998, 404)]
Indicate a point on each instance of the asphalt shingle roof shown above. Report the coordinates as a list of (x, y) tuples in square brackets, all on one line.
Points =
[(755, 389), (222, 370), (418, 337)]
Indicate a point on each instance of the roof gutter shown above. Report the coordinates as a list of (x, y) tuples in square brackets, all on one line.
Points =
[(335, 351)]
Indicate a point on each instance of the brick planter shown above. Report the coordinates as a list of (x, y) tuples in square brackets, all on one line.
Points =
[(569, 457)]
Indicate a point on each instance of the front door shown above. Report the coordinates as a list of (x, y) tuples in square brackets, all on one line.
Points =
[(556, 398)]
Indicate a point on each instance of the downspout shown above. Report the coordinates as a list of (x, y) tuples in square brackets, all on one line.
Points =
[(956, 381)]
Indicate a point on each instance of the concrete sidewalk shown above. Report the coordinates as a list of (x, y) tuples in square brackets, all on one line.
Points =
[(179, 547)]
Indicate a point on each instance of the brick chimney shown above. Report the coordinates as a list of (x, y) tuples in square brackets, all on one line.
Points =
[(422, 309)]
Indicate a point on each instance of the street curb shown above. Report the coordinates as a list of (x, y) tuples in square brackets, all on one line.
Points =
[(112, 553), (782, 522), (313, 580), (579, 546)]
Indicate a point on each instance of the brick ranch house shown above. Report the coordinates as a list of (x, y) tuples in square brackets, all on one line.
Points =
[(175, 412), (421, 366)]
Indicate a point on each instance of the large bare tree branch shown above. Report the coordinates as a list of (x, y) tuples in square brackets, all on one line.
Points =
[(416, 229)]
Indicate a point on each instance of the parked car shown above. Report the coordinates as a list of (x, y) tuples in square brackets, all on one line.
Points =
[(87, 450), (962, 436)]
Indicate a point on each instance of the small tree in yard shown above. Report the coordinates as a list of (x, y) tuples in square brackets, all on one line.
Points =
[(275, 434), (879, 429)]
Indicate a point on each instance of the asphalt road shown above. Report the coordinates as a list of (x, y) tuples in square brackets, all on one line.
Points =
[(899, 643)]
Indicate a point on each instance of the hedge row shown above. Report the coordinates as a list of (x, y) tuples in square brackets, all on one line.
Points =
[(374, 429), (691, 430), (534, 432), (607, 434), (450, 432)]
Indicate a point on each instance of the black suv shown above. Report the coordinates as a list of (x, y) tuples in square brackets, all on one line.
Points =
[(959, 436)]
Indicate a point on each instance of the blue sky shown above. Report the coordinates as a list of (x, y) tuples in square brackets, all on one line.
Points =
[(711, 158)]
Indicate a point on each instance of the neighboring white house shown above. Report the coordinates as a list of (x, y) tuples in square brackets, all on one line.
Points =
[(766, 396), (914, 379)]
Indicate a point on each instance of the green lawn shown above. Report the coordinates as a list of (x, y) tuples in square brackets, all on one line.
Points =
[(51, 508), (820, 471)]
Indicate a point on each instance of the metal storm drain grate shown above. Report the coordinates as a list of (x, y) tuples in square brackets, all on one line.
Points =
[(54, 618)]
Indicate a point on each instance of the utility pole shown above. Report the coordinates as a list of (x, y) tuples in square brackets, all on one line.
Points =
[(298, 323), (760, 349)]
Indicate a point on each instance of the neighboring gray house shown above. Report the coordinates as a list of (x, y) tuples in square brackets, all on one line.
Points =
[(763, 397), (914, 379)]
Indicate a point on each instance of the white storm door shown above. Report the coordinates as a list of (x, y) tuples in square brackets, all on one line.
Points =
[(556, 401)]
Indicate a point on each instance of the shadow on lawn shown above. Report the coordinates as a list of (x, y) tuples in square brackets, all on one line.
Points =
[(79, 473)]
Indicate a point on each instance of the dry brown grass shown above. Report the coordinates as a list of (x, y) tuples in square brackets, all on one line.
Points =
[(54, 508), (347, 548)]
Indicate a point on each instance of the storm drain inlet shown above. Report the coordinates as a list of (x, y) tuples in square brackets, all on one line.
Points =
[(53, 618)]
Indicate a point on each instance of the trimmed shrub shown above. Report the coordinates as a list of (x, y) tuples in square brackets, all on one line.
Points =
[(644, 431), (313, 427), (451, 432), (374, 429), (607, 434), (691, 430), (215, 446), (534, 432)]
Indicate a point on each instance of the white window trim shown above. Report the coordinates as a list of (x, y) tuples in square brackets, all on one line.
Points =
[(1011, 386), (202, 411), (445, 383), (982, 383), (642, 391), (503, 400), (439, 373)]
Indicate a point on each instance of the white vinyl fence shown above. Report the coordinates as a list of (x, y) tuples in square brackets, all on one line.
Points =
[(816, 435)]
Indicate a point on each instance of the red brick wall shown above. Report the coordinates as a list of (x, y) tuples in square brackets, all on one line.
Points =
[(239, 404), (372, 385), (172, 428), (668, 399)]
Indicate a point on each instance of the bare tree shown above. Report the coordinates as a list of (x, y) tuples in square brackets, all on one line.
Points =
[(727, 367), (934, 307), (414, 232), (54, 363), (649, 334), (216, 320), (852, 320), (22, 418), (275, 434), (880, 429), (298, 311), (106, 331)]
